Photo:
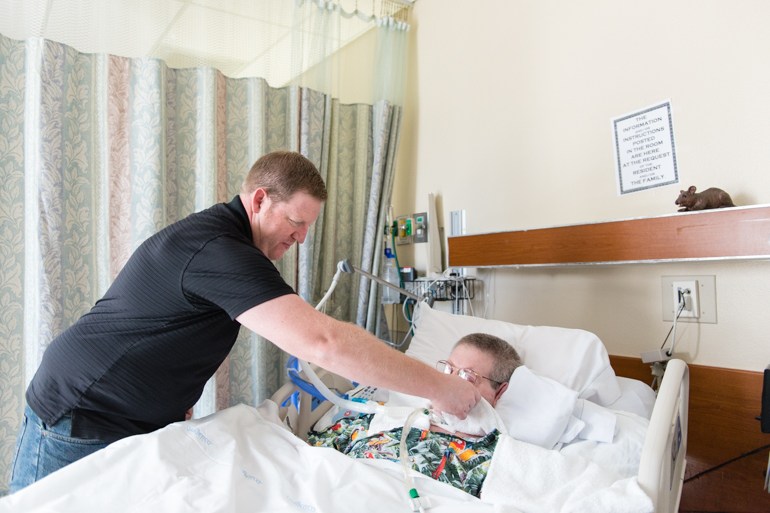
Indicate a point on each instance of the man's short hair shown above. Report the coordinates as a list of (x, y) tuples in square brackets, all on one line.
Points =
[(283, 173), (506, 358)]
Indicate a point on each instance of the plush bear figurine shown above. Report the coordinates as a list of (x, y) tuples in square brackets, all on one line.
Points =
[(710, 198)]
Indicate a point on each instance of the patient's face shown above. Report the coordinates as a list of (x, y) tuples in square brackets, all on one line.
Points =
[(465, 356)]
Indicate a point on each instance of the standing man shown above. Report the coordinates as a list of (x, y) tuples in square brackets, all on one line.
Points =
[(141, 357)]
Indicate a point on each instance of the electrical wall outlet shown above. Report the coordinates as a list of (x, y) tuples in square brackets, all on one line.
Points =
[(705, 297), (457, 226), (685, 298)]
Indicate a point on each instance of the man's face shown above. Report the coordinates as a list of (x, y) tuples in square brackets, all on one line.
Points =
[(465, 356), (278, 225)]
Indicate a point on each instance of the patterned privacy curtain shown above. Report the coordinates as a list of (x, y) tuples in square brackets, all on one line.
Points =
[(360, 169), (98, 152)]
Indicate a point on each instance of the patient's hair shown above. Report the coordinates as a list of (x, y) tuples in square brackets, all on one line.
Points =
[(506, 358), (283, 173)]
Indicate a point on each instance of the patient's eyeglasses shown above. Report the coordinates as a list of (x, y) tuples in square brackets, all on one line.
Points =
[(466, 374)]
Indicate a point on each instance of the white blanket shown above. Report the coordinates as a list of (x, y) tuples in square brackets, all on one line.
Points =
[(533, 479), (243, 459)]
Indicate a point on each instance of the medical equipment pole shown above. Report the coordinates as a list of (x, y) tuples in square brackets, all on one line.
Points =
[(346, 267)]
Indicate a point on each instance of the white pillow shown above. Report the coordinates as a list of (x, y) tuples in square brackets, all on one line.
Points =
[(543, 412), (535, 409), (575, 358)]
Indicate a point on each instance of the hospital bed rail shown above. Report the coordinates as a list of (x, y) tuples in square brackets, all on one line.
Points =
[(663, 459)]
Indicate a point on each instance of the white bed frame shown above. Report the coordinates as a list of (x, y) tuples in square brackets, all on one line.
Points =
[(662, 463), (663, 460)]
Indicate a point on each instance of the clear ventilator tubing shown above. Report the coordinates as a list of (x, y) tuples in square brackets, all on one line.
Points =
[(346, 404), (340, 269), (418, 503)]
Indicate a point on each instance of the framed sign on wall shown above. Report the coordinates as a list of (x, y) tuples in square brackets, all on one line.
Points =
[(645, 154)]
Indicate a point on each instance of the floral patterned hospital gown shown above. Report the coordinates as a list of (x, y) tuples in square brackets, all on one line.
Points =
[(463, 463)]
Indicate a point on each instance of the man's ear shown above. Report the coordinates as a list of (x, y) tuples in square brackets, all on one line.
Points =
[(499, 392), (258, 198)]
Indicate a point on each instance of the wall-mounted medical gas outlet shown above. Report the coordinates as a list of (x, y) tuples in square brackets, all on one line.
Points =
[(698, 294), (420, 227), (404, 229)]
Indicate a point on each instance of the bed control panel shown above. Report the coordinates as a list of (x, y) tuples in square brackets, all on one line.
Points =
[(363, 393)]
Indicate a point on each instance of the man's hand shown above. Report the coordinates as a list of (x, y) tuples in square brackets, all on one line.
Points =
[(350, 351), (456, 396)]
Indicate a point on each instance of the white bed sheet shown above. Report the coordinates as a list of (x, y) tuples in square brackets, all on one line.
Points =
[(243, 459), (584, 476)]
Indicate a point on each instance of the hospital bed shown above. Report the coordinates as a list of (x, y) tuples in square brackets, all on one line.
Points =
[(578, 439)]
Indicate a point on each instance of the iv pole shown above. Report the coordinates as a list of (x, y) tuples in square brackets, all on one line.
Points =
[(344, 266)]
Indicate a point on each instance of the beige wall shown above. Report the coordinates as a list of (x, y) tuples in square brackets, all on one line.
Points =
[(509, 115)]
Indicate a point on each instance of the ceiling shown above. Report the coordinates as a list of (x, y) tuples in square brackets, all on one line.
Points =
[(241, 38)]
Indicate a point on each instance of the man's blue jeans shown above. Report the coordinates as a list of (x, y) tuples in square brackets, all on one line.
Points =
[(42, 449)]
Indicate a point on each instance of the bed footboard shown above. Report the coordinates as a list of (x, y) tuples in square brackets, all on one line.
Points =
[(662, 464)]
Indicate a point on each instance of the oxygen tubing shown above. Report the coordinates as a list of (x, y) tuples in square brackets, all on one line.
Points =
[(403, 455), (345, 404)]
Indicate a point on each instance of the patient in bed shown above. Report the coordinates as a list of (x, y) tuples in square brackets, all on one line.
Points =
[(458, 458)]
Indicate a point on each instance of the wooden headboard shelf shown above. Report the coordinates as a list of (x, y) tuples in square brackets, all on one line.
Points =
[(731, 233)]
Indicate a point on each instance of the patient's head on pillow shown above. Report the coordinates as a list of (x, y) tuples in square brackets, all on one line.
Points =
[(485, 360)]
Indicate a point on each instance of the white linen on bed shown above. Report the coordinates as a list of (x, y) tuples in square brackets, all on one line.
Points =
[(636, 397), (240, 459), (623, 454), (538, 410), (244, 459), (598, 422), (583, 477)]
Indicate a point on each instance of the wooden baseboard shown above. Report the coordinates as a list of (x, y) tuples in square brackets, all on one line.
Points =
[(724, 404)]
